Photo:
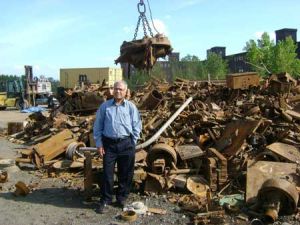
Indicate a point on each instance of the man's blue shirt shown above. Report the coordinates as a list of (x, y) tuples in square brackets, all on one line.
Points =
[(117, 121)]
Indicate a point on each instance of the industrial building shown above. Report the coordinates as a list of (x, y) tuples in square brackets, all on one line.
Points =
[(237, 63), (71, 77)]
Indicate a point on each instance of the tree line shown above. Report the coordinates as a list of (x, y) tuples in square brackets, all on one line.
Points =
[(267, 58)]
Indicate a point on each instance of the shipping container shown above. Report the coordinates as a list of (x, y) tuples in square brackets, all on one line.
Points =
[(242, 80), (71, 77)]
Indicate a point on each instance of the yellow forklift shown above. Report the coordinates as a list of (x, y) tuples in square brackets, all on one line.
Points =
[(12, 95)]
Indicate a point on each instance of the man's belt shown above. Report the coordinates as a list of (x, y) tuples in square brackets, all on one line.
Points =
[(114, 140)]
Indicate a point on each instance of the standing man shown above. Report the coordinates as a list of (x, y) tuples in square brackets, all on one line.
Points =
[(116, 130)]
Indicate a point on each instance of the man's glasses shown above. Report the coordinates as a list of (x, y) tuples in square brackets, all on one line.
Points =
[(119, 89)]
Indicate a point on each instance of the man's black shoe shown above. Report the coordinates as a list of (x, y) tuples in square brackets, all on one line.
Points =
[(102, 208)]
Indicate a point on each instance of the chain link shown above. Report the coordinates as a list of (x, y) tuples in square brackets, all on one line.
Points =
[(137, 28), (149, 28), (144, 27), (143, 18)]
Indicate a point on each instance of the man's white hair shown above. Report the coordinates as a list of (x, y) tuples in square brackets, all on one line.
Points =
[(121, 82)]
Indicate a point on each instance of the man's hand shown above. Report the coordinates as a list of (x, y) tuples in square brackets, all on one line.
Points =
[(101, 151)]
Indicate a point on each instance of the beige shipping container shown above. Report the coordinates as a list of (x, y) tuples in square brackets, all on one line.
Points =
[(242, 80), (71, 77)]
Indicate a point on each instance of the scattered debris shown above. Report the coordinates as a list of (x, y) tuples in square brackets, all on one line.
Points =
[(157, 211), (138, 207), (21, 189), (206, 140), (129, 216), (3, 176)]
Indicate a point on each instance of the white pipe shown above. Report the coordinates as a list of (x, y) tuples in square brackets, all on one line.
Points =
[(162, 129)]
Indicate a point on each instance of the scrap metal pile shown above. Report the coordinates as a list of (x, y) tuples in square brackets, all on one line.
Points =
[(86, 98), (226, 143)]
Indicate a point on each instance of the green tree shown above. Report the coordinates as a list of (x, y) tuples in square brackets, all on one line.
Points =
[(158, 72), (190, 58), (190, 67), (265, 57), (215, 66), (140, 77), (286, 58), (260, 54)]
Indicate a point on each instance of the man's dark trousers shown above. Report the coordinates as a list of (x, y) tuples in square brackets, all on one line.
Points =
[(121, 152)]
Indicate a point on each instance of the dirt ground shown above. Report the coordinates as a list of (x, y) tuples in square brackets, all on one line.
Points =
[(59, 199), (11, 115)]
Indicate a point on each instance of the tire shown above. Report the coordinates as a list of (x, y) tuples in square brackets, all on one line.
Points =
[(21, 105)]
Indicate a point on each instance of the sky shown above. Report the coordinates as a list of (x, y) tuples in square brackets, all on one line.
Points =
[(54, 34)]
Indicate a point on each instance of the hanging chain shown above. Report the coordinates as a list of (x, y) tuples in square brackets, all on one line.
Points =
[(148, 26), (142, 17), (137, 28)]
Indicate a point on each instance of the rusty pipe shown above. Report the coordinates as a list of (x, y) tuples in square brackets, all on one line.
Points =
[(157, 134)]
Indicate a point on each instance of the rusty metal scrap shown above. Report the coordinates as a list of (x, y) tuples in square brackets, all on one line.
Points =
[(21, 189), (3, 176), (220, 134), (84, 99), (143, 53)]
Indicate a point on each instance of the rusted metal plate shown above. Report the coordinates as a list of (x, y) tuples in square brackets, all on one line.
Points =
[(55, 145), (235, 134), (288, 152), (260, 171), (189, 151)]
